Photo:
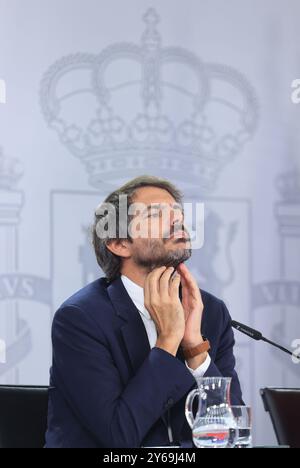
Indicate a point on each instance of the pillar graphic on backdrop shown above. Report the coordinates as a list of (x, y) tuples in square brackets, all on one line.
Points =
[(288, 217), (281, 296), (15, 286), (13, 331)]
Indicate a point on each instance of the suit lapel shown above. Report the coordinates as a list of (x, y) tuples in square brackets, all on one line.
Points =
[(132, 328)]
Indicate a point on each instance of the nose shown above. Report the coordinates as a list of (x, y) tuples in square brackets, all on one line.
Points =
[(176, 217)]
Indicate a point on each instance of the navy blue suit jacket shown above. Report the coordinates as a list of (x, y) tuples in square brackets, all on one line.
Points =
[(108, 388)]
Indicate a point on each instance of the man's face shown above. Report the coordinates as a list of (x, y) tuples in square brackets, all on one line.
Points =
[(164, 241)]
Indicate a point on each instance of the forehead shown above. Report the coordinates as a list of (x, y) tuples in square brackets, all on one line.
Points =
[(150, 195)]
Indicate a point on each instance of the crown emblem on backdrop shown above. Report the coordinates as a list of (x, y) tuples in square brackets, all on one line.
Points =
[(145, 108), (10, 171)]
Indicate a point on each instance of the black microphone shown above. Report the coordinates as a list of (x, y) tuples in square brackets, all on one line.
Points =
[(256, 335)]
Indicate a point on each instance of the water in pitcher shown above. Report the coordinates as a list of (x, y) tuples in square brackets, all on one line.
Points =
[(214, 435), (211, 436)]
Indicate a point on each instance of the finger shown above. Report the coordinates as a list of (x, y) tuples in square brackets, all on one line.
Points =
[(184, 282), (153, 281), (189, 284), (147, 281), (146, 292), (174, 286), (164, 283), (191, 287), (183, 270), (187, 276)]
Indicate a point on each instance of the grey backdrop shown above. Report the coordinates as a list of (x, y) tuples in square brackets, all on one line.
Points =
[(199, 92)]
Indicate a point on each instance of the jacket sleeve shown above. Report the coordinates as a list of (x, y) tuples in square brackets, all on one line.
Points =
[(224, 362), (88, 379)]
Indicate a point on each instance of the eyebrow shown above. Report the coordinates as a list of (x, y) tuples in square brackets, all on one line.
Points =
[(159, 205)]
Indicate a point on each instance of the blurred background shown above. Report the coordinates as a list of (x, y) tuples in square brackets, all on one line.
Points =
[(199, 92)]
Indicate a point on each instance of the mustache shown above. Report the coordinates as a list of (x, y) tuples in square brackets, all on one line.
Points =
[(172, 231)]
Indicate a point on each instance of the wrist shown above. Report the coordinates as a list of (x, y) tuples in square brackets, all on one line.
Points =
[(192, 342), (169, 344), (197, 361)]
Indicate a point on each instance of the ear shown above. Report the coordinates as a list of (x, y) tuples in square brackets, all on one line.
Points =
[(119, 247)]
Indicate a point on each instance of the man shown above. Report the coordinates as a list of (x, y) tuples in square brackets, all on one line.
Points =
[(127, 348)]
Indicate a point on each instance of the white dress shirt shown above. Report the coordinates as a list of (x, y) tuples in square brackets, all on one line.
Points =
[(136, 294)]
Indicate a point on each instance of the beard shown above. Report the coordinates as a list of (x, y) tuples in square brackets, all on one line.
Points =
[(154, 254)]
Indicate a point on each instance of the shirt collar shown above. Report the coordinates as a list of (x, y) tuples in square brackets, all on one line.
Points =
[(136, 293)]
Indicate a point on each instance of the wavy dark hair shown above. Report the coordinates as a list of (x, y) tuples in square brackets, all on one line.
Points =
[(108, 261)]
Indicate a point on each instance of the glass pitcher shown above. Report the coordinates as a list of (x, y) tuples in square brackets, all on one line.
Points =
[(214, 425)]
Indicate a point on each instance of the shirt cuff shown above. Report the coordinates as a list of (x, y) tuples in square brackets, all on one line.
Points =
[(201, 370)]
